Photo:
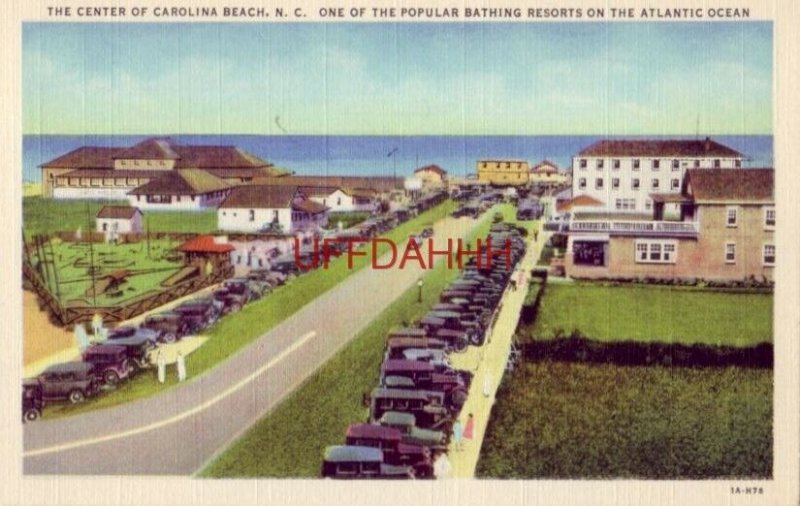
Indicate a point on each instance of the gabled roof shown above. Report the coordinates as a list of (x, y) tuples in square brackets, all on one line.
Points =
[(309, 206), (579, 201), (730, 185), (545, 166), (149, 149), (260, 197), (118, 212), (182, 182), (216, 157), (660, 148), (205, 244), (87, 157), (432, 168)]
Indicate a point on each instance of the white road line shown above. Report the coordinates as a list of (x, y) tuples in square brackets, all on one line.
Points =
[(133, 432)]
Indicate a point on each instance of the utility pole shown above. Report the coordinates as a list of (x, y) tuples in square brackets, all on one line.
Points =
[(91, 256)]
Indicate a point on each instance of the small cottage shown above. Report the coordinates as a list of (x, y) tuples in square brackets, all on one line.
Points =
[(115, 220)]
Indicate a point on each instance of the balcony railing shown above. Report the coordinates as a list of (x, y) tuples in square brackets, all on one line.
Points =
[(619, 227)]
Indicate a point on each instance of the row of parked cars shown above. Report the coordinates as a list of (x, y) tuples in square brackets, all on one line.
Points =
[(420, 394), (127, 350)]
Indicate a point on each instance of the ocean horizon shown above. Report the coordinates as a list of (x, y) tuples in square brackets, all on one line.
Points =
[(382, 155)]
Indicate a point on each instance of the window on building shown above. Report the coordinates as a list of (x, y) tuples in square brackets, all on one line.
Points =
[(675, 183), (635, 184), (730, 252), (655, 184), (648, 251), (615, 183), (598, 183), (96, 181), (676, 165), (656, 164), (769, 217), (599, 163), (618, 204), (731, 216), (737, 163), (252, 215), (769, 254), (635, 164), (717, 163), (582, 163), (582, 183), (339, 201), (616, 164), (648, 204), (697, 164), (275, 216)]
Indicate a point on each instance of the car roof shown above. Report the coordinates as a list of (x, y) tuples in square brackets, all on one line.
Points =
[(430, 320), (103, 349), (416, 342), (346, 453), (398, 418), (133, 340), (368, 430), (406, 365), (398, 381), (70, 367), (408, 331), (397, 393)]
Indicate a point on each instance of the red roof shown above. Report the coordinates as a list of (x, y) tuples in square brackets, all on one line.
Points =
[(579, 201), (720, 185), (660, 148), (204, 244), (118, 212), (87, 157)]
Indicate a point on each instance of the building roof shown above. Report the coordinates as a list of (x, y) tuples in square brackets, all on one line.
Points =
[(660, 148), (87, 157), (375, 183), (118, 212), (728, 185), (205, 244), (104, 173), (182, 182), (432, 168), (185, 156), (579, 201), (674, 198), (545, 166), (309, 206), (260, 197)]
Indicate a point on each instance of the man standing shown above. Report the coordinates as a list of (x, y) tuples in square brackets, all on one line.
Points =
[(181, 362)]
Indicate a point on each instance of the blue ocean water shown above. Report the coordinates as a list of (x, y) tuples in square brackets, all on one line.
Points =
[(370, 155)]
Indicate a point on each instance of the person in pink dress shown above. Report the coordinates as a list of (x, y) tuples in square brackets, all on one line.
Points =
[(469, 428)]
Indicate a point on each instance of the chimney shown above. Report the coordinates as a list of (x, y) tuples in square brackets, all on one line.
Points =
[(708, 144)]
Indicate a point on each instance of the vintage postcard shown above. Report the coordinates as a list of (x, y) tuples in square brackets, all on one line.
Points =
[(517, 253)]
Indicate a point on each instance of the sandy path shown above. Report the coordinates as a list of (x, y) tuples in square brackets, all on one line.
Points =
[(489, 361)]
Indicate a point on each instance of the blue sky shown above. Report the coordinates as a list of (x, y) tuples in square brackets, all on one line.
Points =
[(398, 79)]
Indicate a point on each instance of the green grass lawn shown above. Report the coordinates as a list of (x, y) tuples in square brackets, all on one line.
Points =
[(348, 219), (233, 332), (146, 271), (653, 313), (568, 421), (289, 442), (42, 215)]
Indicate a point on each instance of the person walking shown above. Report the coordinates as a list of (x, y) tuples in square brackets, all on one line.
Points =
[(469, 428), (181, 362), (487, 384), (441, 467), (458, 435), (161, 362)]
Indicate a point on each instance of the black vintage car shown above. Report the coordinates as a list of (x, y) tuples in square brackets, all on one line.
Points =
[(360, 462), (69, 380), (198, 314), (429, 407), (110, 362), (169, 326), (32, 400), (137, 350), (390, 441)]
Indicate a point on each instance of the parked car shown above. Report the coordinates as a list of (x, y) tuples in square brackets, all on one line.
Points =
[(251, 289), (395, 452), (395, 346), (454, 387), (406, 423), (32, 400), (420, 371), (128, 331), (137, 349), (198, 315), (427, 406), (169, 326), (231, 301), (426, 232), (360, 462), (69, 380), (110, 362)]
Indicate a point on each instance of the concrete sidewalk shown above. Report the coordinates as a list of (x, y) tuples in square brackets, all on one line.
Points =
[(488, 364)]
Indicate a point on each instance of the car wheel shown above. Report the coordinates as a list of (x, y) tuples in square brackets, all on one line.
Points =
[(76, 396), (31, 415), (169, 337), (111, 377), (476, 339), (460, 345), (235, 307)]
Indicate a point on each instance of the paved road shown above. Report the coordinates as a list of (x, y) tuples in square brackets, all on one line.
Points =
[(177, 432)]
